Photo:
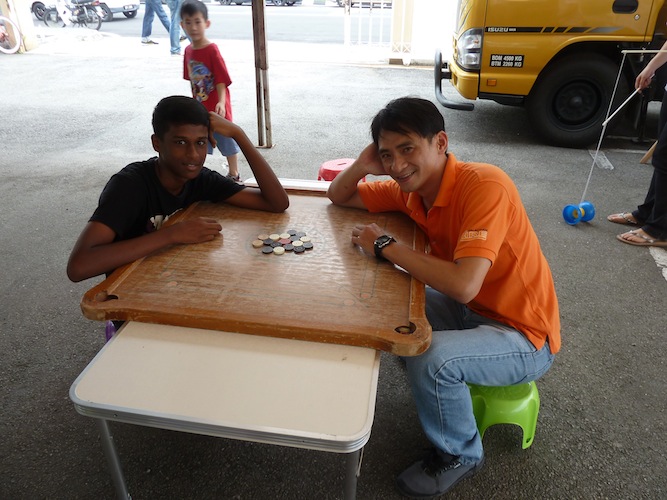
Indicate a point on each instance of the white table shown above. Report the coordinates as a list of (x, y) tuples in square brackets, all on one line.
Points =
[(253, 388)]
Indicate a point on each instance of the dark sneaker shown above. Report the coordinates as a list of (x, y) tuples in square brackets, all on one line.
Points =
[(434, 475)]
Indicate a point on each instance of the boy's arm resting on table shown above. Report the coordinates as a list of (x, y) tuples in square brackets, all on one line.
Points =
[(95, 252), (270, 196), (343, 189), (461, 280)]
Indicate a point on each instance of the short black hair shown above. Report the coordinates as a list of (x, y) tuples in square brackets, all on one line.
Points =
[(192, 7), (178, 110), (408, 114)]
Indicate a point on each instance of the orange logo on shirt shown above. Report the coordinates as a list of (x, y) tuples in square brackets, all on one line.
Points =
[(474, 234)]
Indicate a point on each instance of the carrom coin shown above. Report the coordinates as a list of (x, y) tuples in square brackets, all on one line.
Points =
[(274, 236), (267, 241), (305, 238), (307, 245), (263, 236), (267, 250), (257, 244), (284, 235), (299, 249), (297, 244), (279, 250), (289, 247), (284, 241)]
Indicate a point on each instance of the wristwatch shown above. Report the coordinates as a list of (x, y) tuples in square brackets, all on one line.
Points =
[(382, 242)]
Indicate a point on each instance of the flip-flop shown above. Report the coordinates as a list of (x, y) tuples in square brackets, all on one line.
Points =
[(647, 241), (625, 218)]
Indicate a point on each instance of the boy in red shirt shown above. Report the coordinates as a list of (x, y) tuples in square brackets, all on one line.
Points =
[(205, 68)]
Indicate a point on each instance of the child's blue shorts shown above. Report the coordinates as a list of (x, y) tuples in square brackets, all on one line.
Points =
[(226, 145)]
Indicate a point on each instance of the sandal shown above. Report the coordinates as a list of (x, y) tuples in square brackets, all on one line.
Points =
[(625, 218), (644, 239), (236, 178)]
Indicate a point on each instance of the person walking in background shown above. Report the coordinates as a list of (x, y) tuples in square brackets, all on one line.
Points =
[(209, 79), (651, 216), (153, 7), (175, 36)]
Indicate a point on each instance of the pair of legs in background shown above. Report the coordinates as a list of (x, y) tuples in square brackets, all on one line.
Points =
[(465, 348), (171, 24), (651, 215), (230, 150)]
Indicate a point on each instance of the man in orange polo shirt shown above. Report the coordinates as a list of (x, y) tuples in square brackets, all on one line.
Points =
[(490, 294)]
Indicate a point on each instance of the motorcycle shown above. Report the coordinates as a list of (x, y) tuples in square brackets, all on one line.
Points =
[(79, 12)]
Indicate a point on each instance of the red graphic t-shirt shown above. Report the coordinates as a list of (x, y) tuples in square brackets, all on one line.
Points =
[(205, 68)]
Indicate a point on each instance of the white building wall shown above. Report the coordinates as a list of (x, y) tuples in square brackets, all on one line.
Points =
[(420, 27)]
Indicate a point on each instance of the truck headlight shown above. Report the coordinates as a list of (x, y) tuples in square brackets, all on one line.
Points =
[(469, 49)]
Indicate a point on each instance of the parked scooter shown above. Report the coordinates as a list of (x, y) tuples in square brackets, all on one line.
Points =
[(79, 12)]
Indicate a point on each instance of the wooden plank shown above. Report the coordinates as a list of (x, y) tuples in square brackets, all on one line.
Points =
[(649, 154)]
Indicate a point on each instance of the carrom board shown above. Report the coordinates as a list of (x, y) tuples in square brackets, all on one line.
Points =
[(331, 293)]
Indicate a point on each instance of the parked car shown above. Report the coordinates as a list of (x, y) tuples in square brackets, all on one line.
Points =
[(107, 7), (127, 7), (378, 3), (270, 2)]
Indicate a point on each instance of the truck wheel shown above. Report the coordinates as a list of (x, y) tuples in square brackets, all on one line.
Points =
[(570, 100)]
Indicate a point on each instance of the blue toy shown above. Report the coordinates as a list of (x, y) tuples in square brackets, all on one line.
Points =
[(585, 210)]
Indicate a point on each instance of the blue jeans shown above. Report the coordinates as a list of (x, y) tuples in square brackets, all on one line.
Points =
[(226, 145), (466, 347), (175, 26), (153, 7)]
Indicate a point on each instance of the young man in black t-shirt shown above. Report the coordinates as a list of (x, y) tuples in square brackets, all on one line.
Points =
[(138, 199)]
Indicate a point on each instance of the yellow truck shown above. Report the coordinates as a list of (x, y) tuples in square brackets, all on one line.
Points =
[(559, 59)]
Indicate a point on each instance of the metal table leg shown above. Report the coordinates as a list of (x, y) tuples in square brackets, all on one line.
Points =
[(352, 471), (113, 461)]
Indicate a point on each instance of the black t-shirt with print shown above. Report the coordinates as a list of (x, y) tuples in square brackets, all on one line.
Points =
[(134, 202)]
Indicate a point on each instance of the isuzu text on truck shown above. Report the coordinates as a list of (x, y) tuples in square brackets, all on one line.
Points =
[(558, 58)]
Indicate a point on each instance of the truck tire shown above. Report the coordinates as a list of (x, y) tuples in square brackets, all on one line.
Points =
[(571, 98)]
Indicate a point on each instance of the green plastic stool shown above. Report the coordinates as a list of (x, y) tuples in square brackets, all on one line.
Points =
[(512, 404)]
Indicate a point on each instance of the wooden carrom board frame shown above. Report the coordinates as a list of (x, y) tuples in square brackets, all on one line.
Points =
[(332, 293)]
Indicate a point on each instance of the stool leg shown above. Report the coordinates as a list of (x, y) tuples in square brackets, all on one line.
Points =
[(531, 425)]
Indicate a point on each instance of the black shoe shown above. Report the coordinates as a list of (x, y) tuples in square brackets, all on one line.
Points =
[(183, 37), (434, 475)]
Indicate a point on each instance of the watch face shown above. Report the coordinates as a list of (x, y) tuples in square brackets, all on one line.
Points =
[(380, 243)]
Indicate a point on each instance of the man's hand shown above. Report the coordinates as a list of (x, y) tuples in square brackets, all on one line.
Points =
[(370, 159), (343, 189), (196, 230), (365, 236)]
